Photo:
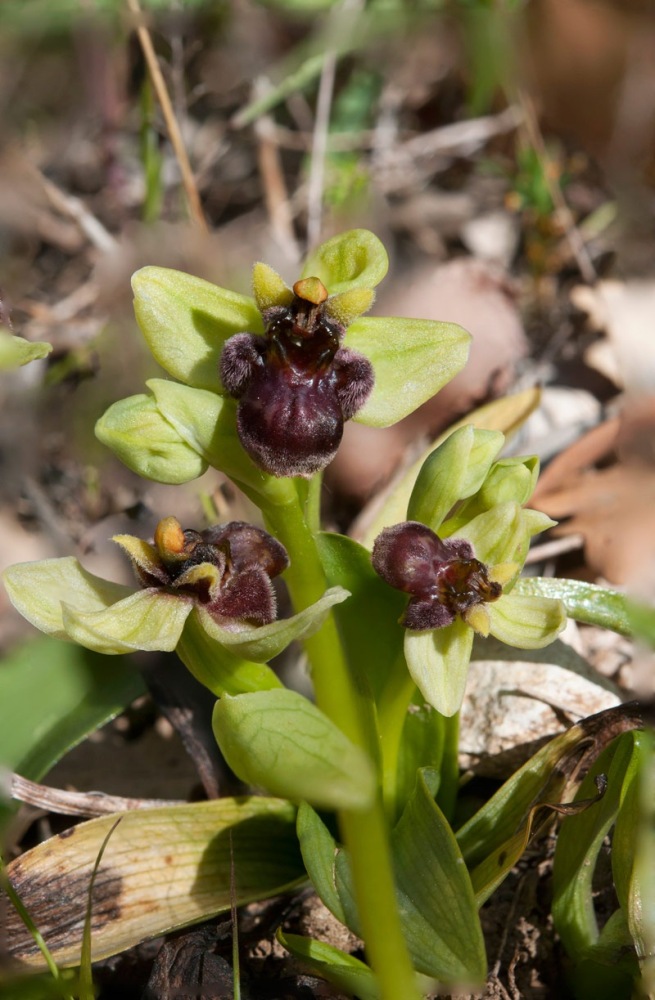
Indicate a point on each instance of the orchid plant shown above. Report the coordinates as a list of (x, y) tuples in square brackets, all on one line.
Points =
[(261, 390)]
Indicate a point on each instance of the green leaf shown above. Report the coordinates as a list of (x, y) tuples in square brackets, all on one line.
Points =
[(586, 602), (282, 742), (354, 259), (421, 745), (437, 905), (163, 868), (261, 643), (578, 846), (439, 663), (344, 971), (526, 622), (412, 358), (52, 695), (140, 436), (147, 620), (186, 321), (37, 589), (15, 351), (319, 851), (452, 472)]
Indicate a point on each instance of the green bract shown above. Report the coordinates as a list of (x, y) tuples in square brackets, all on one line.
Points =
[(15, 351)]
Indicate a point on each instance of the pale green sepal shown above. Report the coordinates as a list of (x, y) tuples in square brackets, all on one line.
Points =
[(216, 667), (526, 622), (137, 432), (452, 472), (186, 320), (269, 289), (282, 742), (148, 620), (412, 359), (261, 643), (354, 259), (497, 536), (207, 423), (16, 351), (508, 479), (36, 589), (535, 521), (338, 967), (439, 663)]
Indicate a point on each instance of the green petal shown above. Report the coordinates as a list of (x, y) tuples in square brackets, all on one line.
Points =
[(498, 535), (16, 351), (263, 642), (141, 553), (526, 622), (147, 443), (269, 289), (412, 358), (452, 472), (439, 662), (186, 321), (281, 741), (354, 259), (36, 589), (148, 620), (508, 479)]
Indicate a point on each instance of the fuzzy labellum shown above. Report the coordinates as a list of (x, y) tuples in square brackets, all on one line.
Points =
[(296, 385), (226, 568), (443, 577)]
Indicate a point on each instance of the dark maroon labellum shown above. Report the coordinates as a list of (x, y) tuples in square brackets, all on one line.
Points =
[(296, 386), (443, 577)]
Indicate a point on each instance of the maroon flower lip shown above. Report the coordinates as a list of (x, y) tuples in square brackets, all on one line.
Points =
[(296, 385), (443, 577), (227, 568)]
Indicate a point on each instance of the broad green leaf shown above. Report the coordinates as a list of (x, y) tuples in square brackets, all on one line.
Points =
[(578, 845), (354, 259), (16, 351), (319, 851), (437, 905), (505, 415), (368, 621), (52, 695), (261, 643), (37, 589), (186, 320), (412, 358), (526, 622), (586, 602), (148, 620), (439, 662), (422, 745), (163, 868), (609, 968), (549, 776), (344, 971), (452, 472), (140, 436), (282, 742)]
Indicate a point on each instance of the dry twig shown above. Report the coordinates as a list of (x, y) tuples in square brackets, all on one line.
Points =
[(77, 803)]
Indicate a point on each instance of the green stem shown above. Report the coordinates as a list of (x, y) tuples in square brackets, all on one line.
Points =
[(392, 712), (338, 695), (449, 785)]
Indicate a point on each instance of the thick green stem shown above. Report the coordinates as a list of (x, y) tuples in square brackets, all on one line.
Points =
[(338, 695)]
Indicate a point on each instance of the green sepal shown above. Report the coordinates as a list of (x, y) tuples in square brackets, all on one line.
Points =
[(37, 589), (452, 472), (354, 259), (338, 967), (147, 620), (502, 534), (186, 321), (16, 351), (412, 359), (526, 622), (508, 479), (438, 662), (262, 642), (280, 741), (140, 436)]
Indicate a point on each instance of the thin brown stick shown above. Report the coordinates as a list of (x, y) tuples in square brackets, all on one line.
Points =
[(77, 803), (161, 90), (276, 195)]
